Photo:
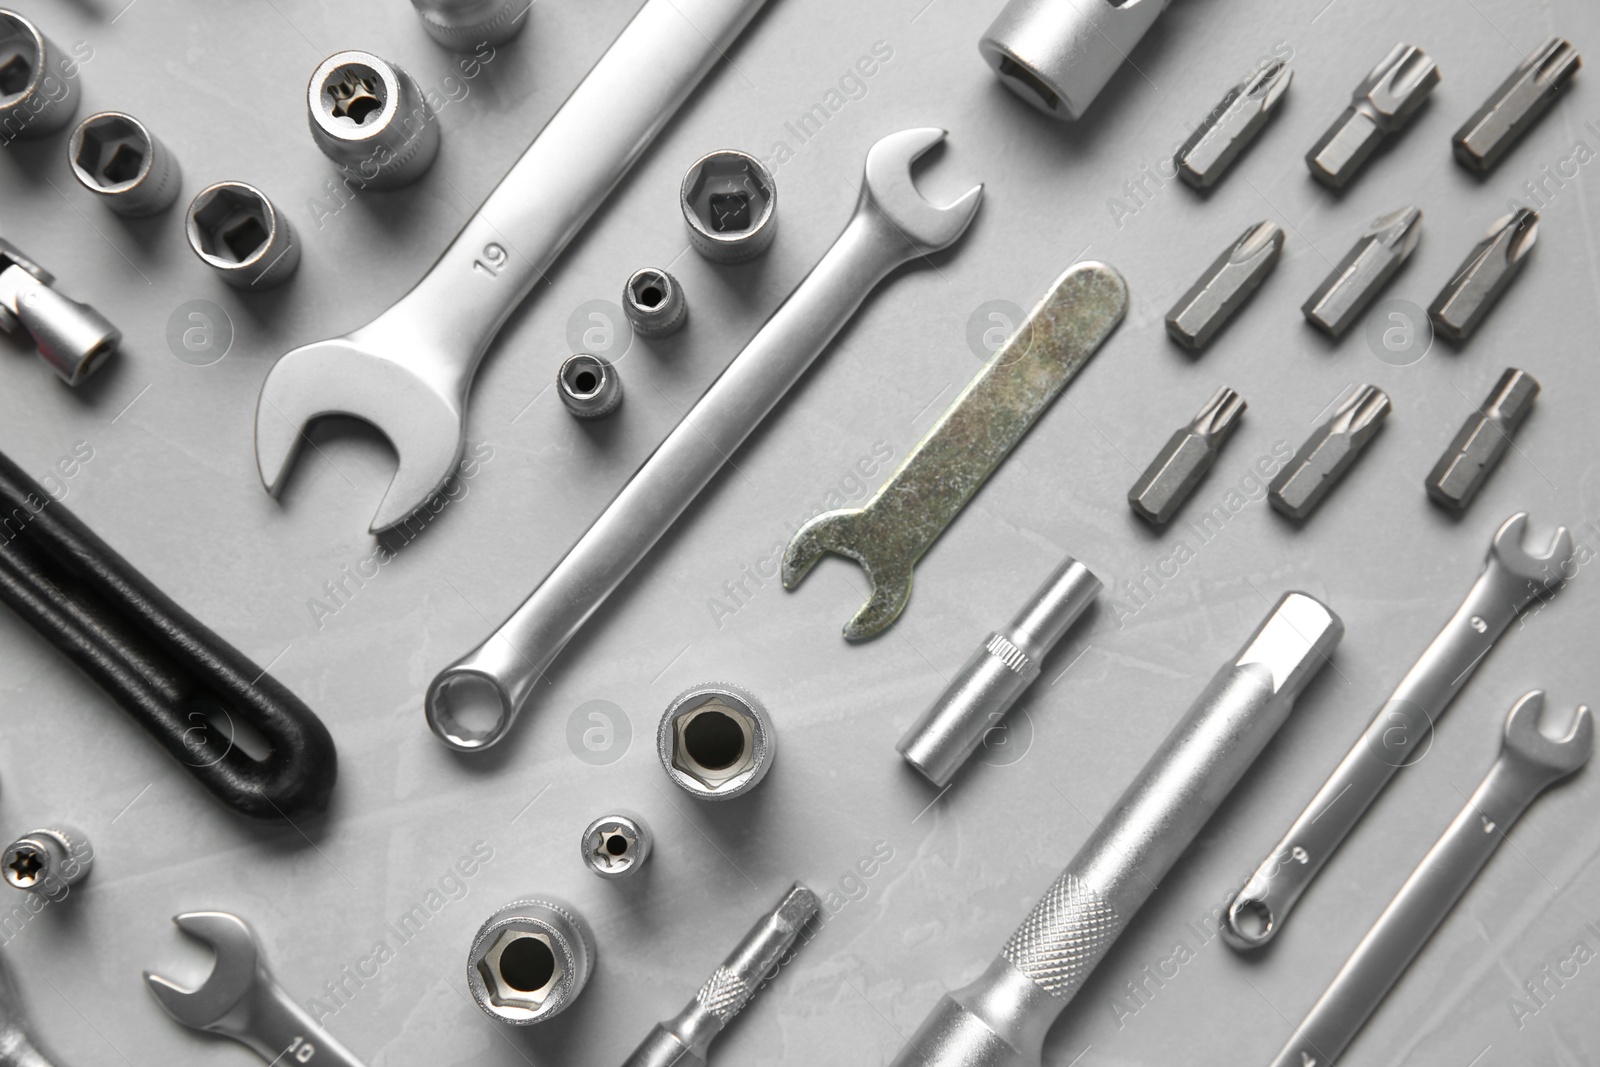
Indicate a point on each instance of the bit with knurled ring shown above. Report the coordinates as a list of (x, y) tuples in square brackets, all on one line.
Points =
[(1516, 105), (1382, 104), (1482, 440), (1485, 275)]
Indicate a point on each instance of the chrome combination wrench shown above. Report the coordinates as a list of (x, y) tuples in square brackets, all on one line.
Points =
[(1528, 764), (1512, 579), (408, 371), (473, 702), (240, 1000)]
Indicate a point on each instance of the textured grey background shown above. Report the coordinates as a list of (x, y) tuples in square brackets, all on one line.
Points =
[(172, 484)]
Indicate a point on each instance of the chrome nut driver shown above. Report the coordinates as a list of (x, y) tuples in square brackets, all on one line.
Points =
[(408, 371), (892, 225), (1528, 764), (1512, 578), (242, 1001)]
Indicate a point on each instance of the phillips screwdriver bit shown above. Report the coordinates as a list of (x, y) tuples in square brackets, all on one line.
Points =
[(1383, 246), (1180, 466), (1383, 103), (1514, 107), (1329, 452), (1232, 125), (1225, 285), (1488, 271), (1482, 440)]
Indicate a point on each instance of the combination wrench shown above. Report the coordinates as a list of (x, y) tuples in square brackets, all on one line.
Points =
[(242, 1001), (408, 371), (1512, 579), (1528, 764), (892, 225)]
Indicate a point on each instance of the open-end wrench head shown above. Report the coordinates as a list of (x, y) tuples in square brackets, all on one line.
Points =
[(351, 376), (889, 188), (1551, 758), (840, 532), (1510, 551), (231, 978)]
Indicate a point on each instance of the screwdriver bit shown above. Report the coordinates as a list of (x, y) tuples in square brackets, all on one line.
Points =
[(1488, 271), (1329, 452), (1225, 285), (1384, 245), (1383, 103), (1232, 125), (1514, 107), (1180, 466), (1482, 440)]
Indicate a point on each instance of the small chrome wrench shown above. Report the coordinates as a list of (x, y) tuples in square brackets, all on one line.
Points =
[(1512, 578), (892, 225), (240, 1000), (408, 371), (1529, 763), (975, 434)]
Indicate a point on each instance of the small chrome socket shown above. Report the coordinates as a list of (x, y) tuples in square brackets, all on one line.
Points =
[(47, 861), (530, 961), (716, 742), (589, 386), (730, 205), (371, 118), (236, 231), (616, 846), (38, 84), (463, 24), (117, 158), (654, 303)]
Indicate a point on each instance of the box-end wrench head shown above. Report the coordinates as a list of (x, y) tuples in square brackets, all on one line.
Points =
[(240, 999)]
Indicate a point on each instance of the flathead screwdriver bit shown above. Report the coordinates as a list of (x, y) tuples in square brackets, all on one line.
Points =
[(1225, 286), (1512, 109), (1232, 125), (1383, 246), (1482, 440), (1489, 269), (1383, 103), (1329, 452), (1188, 455)]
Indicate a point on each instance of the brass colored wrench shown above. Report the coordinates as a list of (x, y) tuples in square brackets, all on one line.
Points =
[(969, 441)]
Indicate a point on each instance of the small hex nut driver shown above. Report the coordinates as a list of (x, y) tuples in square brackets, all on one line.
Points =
[(1329, 452), (1485, 275), (1482, 440), (1512, 109), (73, 338), (1225, 286), (1382, 104), (1188, 455)]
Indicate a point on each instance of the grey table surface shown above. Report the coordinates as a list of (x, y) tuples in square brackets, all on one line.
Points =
[(920, 888)]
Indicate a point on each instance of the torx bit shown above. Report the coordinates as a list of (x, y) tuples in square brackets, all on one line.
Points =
[(1225, 285), (684, 1039), (1383, 103), (1512, 109), (1180, 466), (1329, 452), (1232, 125), (1384, 245), (1486, 273), (1482, 440)]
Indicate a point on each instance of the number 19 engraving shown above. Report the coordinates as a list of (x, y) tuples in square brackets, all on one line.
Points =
[(493, 261)]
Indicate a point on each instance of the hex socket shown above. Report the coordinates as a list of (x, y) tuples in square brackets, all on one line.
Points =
[(236, 231), (1058, 54), (588, 385), (116, 157), (716, 742), (38, 85), (529, 961), (463, 24), (654, 303), (730, 204), (371, 118)]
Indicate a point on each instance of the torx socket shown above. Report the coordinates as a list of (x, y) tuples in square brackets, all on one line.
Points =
[(371, 118), (1486, 273), (1001, 1019), (615, 846), (996, 675), (1232, 125), (38, 84), (47, 861), (1058, 54), (529, 961), (1482, 440), (237, 232), (654, 303), (1188, 455), (1382, 104), (730, 205), (1516, 105), (117, 158), (589, 386), (464, 24), (1378, 253), (1329, 452), (73, 338), (1225, 286)]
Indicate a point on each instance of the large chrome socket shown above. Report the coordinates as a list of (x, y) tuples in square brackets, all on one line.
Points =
[(38, 85), (236, 231), (530, 961), (370, 117), (1058, 54), (464, 24)]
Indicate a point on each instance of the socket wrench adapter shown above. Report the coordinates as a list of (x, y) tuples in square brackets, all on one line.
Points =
[(38, 85), (47, 861), (530, 961), (1001, 1019), (116, 157), (463, 24), (371, 118), (716, 742), (730, 204), (236, 231), (73, 338), (1058, 54)]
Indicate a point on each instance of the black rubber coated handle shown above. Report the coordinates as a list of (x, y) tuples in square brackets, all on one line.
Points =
[(178, 680)]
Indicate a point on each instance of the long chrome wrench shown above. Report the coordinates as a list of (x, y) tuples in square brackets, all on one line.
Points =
[(408, 372), (1512, 579), (1528, 764), (473, 702)]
